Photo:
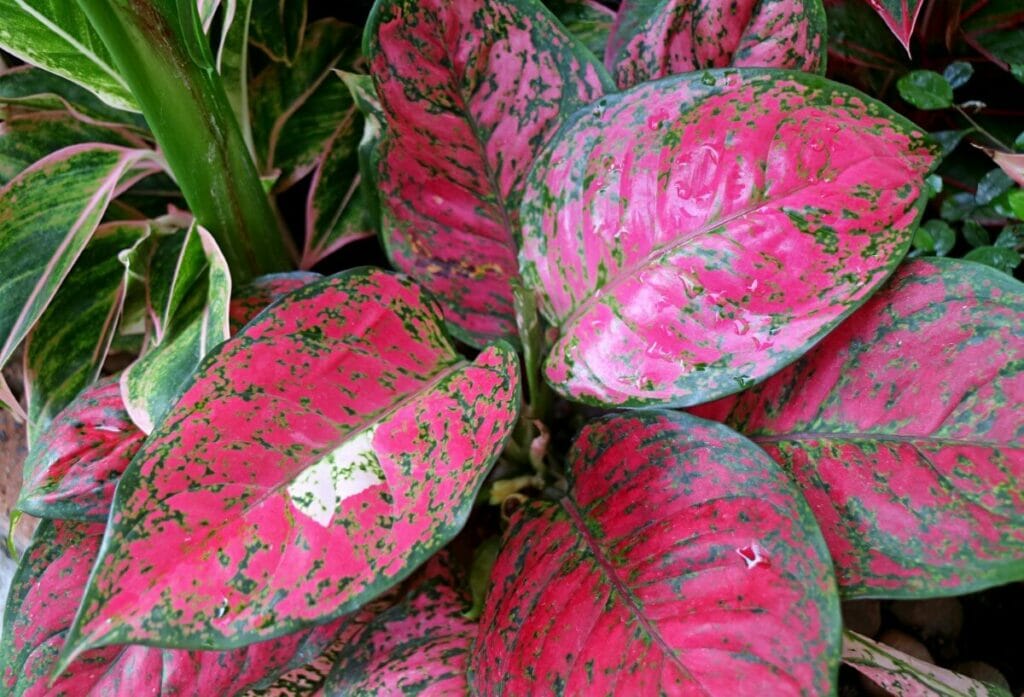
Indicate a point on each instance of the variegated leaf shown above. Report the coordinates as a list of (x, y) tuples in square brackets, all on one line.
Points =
[(905, 429), (681, 561), (692, 236), (277, 27), (365, 97), (587, 20), (900, 16), (471, 92), (28, 87), (317, 458), (252, 298), (71, 471), (67, 347), (652, 39)]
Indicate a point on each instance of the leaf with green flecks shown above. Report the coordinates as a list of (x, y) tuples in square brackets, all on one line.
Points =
[(925, 89), (680, 561), (190, 291), (298, 108), (28, 87), (231, 49), (587, 20), (1011, 236), (935, 237), (365, 96), (277, 27), (1002, 258), (56, 36), (420, 646), (958, 73), (66, 349), (47, 215), (502, 75), (903, 674), (915, 482), (317, 458), (71, 471), (692, 236), (652, 39), (900, 16), (254, 297)]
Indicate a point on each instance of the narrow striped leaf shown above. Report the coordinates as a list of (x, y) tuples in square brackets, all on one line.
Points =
[(587, 20), (29, 87), (692, 236), (47, 215), (471, 92), (905, 429), (681, 561), (418, 647), (317, 458), (56, 36), (68, 345), (900, 16), (277, 27), (44, 595), (190, 290), (657, 38), (365, 97), (71, 471), (253, 297)]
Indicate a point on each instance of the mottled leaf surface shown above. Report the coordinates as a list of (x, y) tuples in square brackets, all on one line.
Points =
[(71, 472), (900, 16), (905, 429), (652, 39), (46, 591), (692, 236), (587, 20), (471, 91), (253, 297), (318, 457), (67, 347), (277, 27), (418, 647), (682, 561)]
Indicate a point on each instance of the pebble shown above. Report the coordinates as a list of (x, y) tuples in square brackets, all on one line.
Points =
[(939, 618)]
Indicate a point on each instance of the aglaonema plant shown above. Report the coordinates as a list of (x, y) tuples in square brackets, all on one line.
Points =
[(650, 390)]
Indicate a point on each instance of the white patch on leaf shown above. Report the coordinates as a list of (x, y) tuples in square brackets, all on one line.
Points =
[(342, 473)]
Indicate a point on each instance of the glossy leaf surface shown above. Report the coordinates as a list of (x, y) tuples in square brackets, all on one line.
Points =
[(253, 297), (47, 215), (189, 289), (692, 236), (420, 646), (657, 38), (900, 16), (57, 36), (71, 472), (318, 457), (67, 347), (44, 595), (471, 92), (903, 427), (682, 561)]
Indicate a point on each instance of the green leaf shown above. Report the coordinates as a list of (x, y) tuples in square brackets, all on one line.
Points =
[(1011, 236), (587, 20), (365, 96), (56, 36), (32, 88), (277, 27), (958, 73), (47, 215), (67, 347), (975, 234), (190, 292), (1016, 199), (935, 237), (995, 183), (1001, 258), (925, 89)]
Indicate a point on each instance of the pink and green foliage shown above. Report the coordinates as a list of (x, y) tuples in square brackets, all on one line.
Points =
[(903, 428), (652, 39), (313, 463), (71, 472), (900, 16), (255, 296), (418, 647), (680, 561), (694, 235), (471, 91)]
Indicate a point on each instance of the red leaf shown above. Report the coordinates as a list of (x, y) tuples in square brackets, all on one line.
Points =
[(692, 236), (471, 91), (682, 561), (253, 298), (900, 16), (904, 430), (317, 458), (652, 39)]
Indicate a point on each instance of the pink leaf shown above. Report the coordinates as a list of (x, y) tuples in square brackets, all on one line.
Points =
[(903, 428), (692, 236), (682, 561), (253, 298), (471, 91)]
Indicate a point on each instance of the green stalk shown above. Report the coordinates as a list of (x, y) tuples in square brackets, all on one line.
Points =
[(163, 55)]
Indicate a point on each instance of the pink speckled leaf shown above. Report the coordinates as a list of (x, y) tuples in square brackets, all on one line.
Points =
[(252, 298), (418, 647), (71, 472), (692, 236), (682, 561), (471, 91), (905, 429), (317, 458), (652, 39), (900, 16), (46, 591)]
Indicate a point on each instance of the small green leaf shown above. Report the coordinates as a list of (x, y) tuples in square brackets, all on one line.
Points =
[(480, 575), (925, 89), (958, 73), (1018, 71), (995, 183), (933, 184), (975, 234), (948, 140), (1011, 236), (587, 20), (277, 27), (1006, 260), (958, 206), (935, 237), (1016, 200)]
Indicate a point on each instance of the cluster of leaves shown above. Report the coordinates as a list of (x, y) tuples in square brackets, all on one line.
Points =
[(650, 305)]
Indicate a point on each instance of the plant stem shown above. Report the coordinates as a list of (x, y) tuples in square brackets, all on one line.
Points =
[(163, 55)]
